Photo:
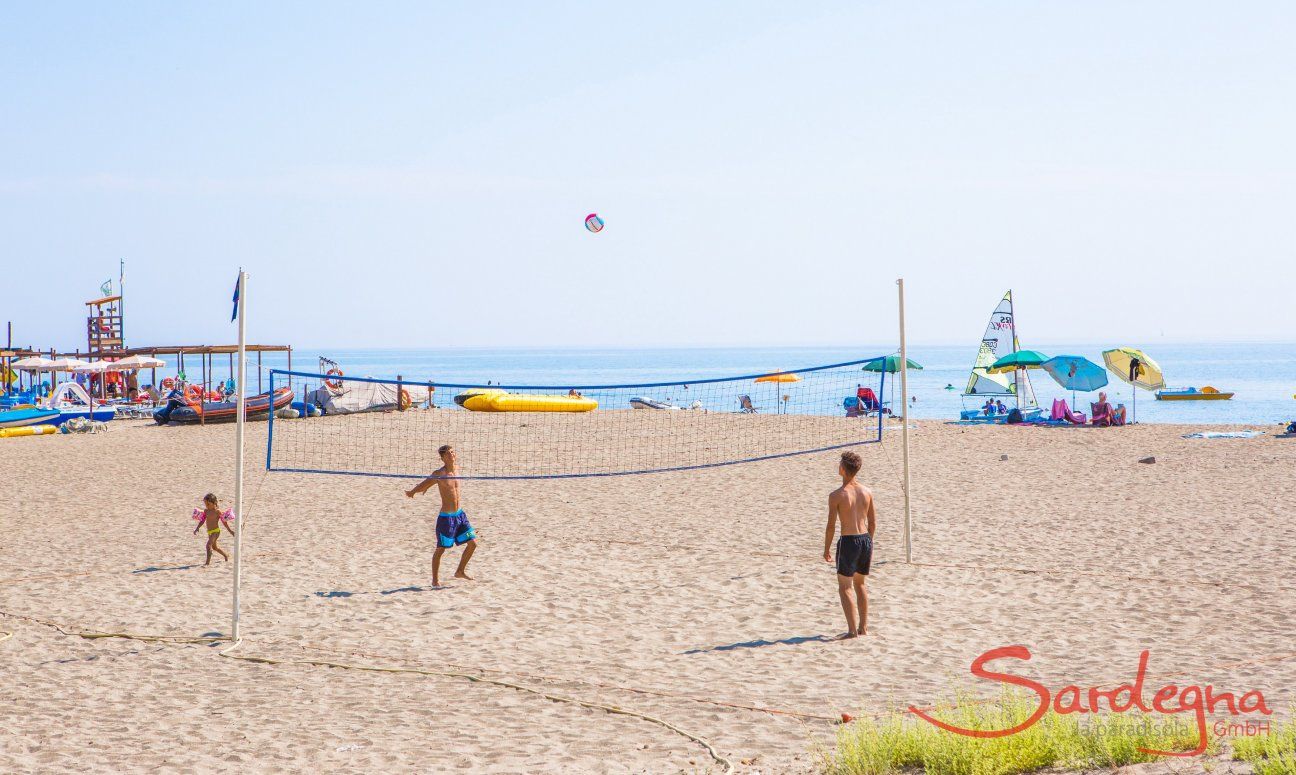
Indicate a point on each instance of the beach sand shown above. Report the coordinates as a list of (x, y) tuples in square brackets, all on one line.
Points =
[(696, 598)]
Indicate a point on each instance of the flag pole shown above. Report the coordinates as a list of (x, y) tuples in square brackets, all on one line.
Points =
[(904, 424), (240, 421)]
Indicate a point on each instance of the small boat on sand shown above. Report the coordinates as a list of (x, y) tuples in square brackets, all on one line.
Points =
[(1206, 393), (643, 402), (258, 407), (32, 415)]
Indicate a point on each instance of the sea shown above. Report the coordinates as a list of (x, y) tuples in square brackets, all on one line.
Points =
[(1262, 376)]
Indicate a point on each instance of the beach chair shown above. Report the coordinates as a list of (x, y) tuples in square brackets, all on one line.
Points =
[(1105, 416), (745, 405), (869, 399)]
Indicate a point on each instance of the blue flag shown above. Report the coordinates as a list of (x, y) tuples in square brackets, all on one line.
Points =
[(234, 314)]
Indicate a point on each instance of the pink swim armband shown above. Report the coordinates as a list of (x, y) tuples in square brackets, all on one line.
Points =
[(200, 514)]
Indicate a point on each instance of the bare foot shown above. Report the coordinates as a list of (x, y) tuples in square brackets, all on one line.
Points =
[(846, 636), (863, 631), (462, 575)]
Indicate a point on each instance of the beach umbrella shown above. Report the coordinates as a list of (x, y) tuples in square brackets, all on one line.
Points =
[(68, 364), (95, 367), (778, 377), (1136, 368), (1074, 372), (136, 362), (890, 364), (34, 363), (1019, 360), (1022, 359)]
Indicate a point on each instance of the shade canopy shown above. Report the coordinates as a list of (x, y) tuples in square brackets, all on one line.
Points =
[(94, 367), (68, 364), (779, 376), (890, 364), (1022, 359), (1074, 372), (137, 362), (34, 363), (1135, 367)]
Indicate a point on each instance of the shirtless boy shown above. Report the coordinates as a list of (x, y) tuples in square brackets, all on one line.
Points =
[(852, 503), (452, 527)]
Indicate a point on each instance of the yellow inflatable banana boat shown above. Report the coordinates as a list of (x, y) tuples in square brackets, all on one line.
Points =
[(27, 430), (500, 401)]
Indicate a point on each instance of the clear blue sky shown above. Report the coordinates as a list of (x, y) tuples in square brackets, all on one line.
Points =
[(418, 174)]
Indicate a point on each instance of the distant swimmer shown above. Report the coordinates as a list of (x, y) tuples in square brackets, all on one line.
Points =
[(852, 504), (452, 525)]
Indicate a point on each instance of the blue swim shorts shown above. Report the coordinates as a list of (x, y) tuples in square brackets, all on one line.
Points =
[(454, 529)]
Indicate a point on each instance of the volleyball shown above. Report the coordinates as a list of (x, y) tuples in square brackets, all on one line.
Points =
[(594, 223)]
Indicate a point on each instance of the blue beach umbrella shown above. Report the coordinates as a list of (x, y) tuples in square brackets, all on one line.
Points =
[(1074, 373)]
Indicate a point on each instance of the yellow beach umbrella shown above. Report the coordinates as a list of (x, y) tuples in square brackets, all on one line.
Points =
[(779, 377), (1135, 367)]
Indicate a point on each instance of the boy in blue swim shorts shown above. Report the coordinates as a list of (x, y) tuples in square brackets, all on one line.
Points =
[(452, 525)]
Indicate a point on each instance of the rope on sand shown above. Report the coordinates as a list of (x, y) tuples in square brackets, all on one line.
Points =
[(597, 685), (726, 765), (710, 749), (94, 635)]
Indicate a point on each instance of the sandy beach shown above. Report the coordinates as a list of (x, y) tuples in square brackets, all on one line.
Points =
[(698, 599)]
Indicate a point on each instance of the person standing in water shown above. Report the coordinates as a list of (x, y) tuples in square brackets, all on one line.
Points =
[(452, 525), (852, 504)]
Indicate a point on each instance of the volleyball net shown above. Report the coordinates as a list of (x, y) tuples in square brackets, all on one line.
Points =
[(394, 427)]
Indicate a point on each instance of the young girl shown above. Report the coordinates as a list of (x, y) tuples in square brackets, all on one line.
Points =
[(211, 517)]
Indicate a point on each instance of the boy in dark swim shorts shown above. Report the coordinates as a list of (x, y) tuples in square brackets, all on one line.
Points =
[(452, 525), (852, 503)]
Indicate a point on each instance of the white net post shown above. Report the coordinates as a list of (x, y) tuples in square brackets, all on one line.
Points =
[(904, 428), (240, 420)]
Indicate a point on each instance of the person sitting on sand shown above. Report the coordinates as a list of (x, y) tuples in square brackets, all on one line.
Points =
[(1104, 415), (852, 503), (452, 525), (212, 518)]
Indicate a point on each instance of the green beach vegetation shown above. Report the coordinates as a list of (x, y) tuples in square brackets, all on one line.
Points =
[(1273, 753), (898, 741)]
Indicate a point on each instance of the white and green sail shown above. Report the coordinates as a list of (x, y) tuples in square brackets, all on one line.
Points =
[(999, 340)]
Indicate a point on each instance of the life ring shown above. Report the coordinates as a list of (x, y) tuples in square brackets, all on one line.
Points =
[(193, 394), (334, 385), (168, 383), (404, 399)]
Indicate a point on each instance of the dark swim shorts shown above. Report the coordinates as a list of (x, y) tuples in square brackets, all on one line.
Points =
[(854, 555), (454, 529)]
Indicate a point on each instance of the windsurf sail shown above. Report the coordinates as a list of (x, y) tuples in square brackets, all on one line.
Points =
[(1000, 339)]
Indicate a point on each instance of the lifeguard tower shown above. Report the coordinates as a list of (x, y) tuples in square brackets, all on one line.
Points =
[(105, 336)]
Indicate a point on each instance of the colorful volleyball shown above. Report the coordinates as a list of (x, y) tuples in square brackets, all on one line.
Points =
[(594, 223)]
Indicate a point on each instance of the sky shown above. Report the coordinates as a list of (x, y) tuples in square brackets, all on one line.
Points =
[(418, 174)]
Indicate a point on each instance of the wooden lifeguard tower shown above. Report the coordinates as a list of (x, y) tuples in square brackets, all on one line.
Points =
[(105, 335)]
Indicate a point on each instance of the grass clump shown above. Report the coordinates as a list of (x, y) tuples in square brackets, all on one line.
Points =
[(899, 741), (1270, 754)]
